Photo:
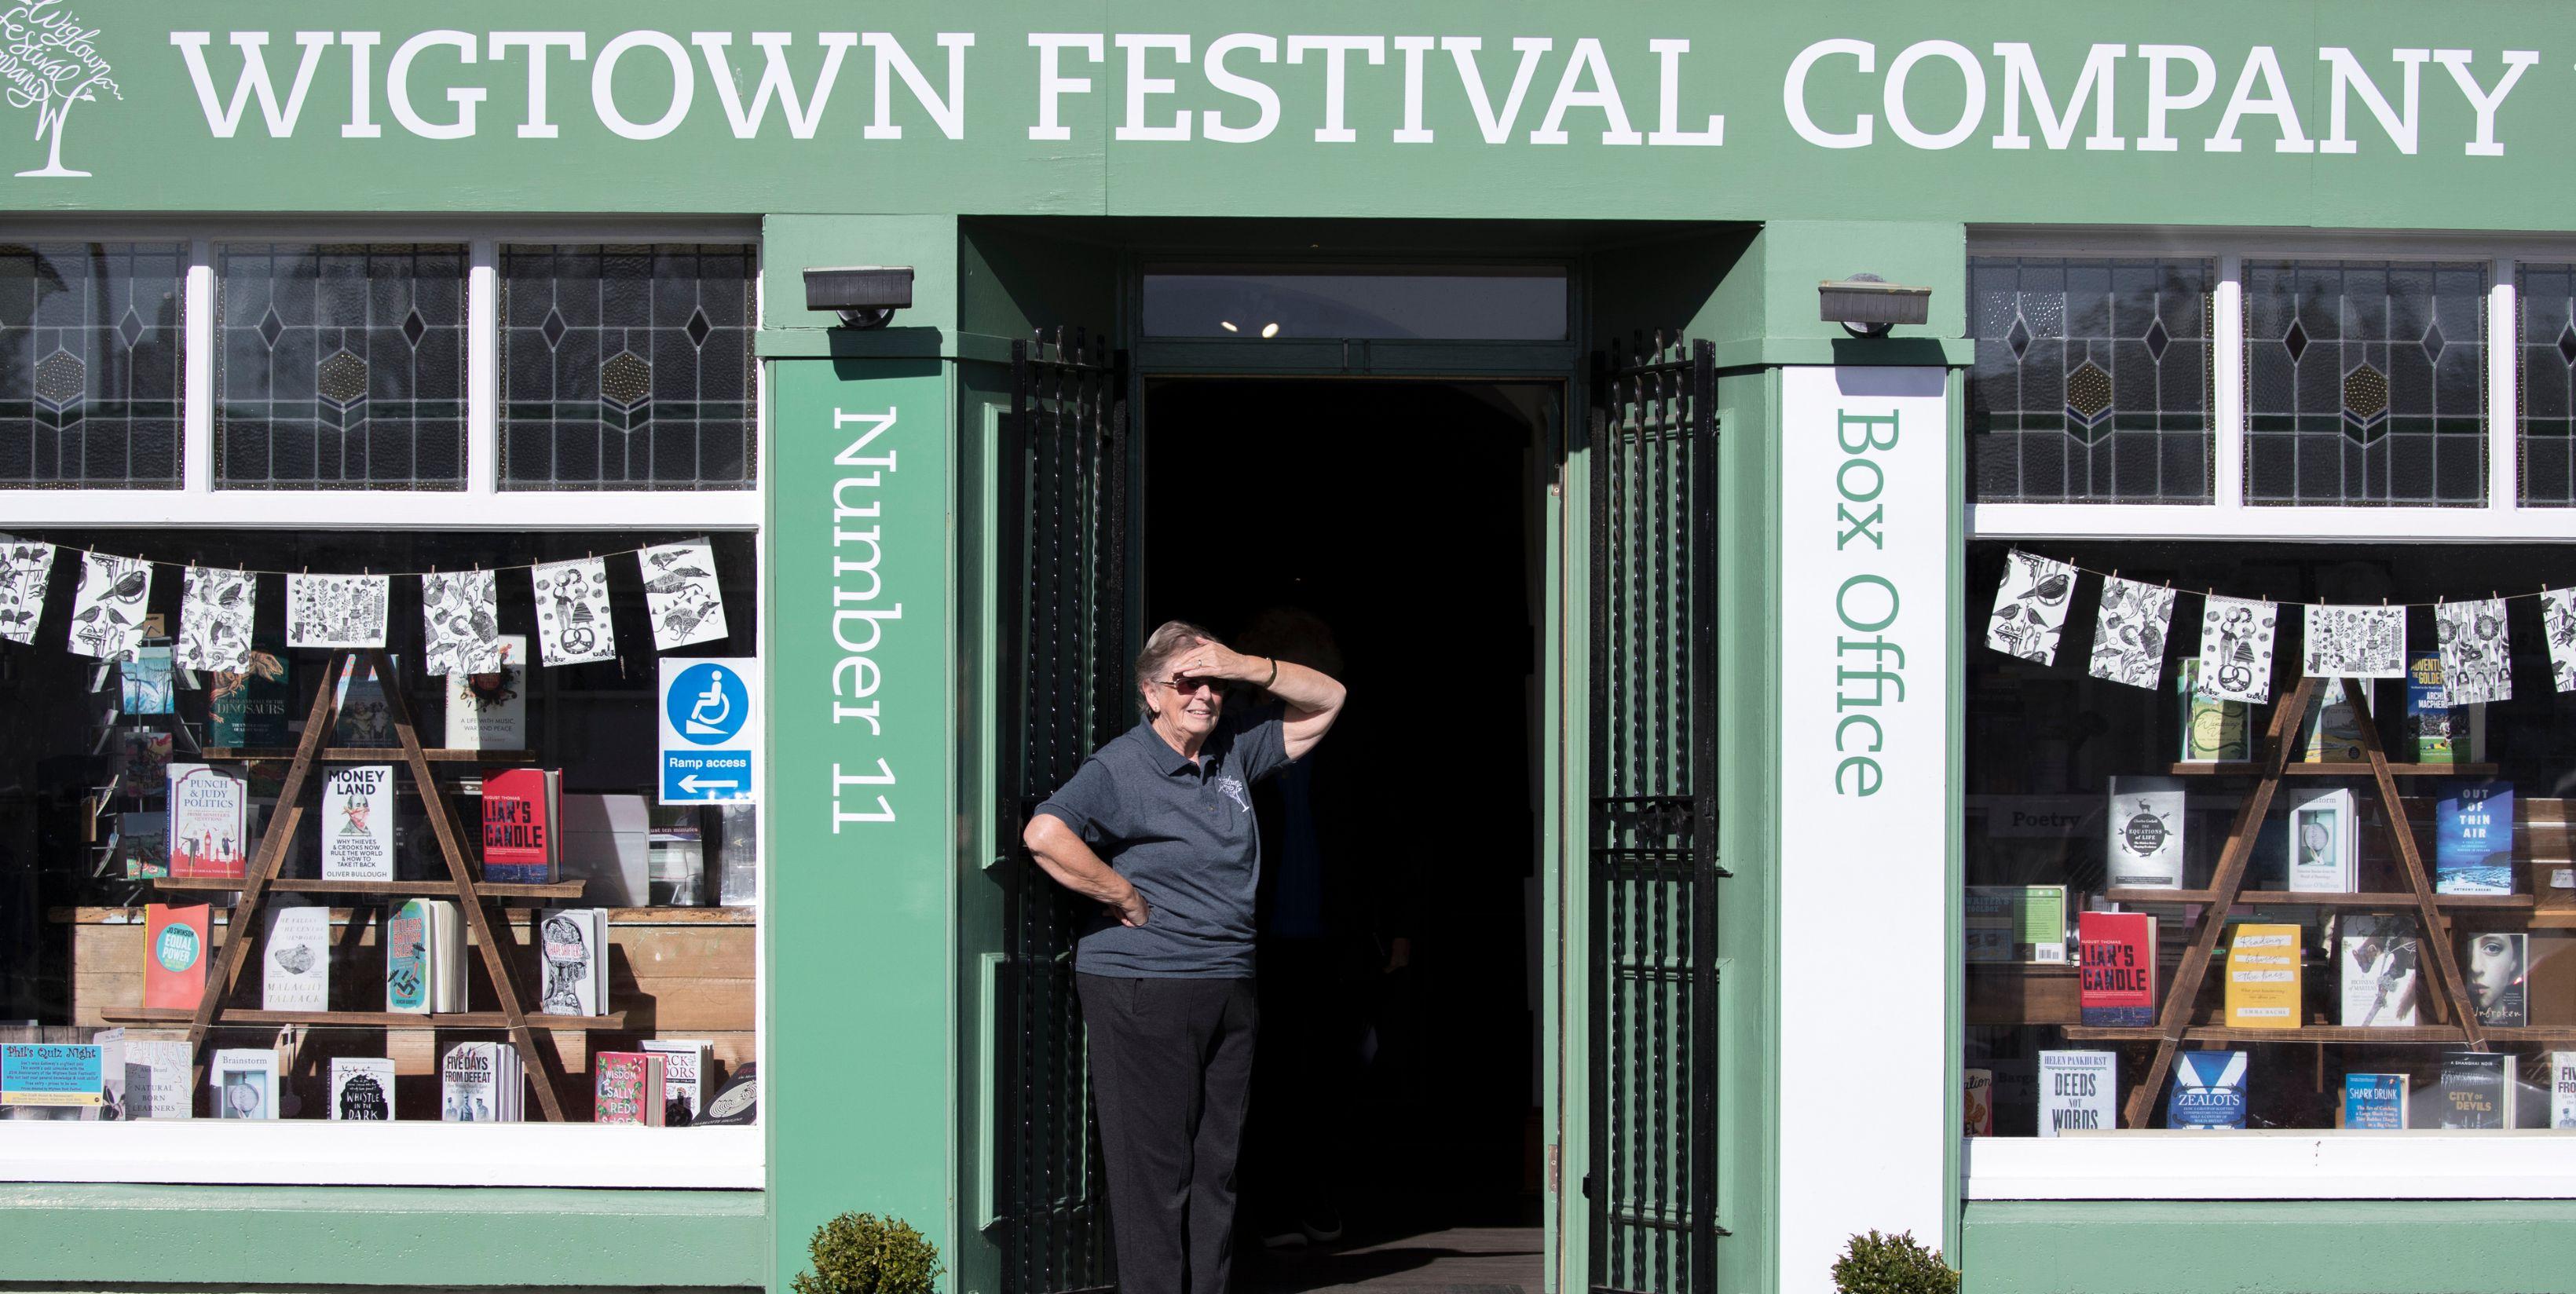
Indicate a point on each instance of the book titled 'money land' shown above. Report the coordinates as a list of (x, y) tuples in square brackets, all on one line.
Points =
[(2116, 983), (520, 810)]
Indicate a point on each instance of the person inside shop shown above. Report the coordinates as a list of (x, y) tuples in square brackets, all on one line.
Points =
[(1157, 827)]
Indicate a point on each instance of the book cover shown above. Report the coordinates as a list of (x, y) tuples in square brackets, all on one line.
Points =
[(2497, 967), (2331, 732), (2146, 833), (111, 1073), (2208, 1092), (2076, 1089), (2376, 959), (686, 1063), (490, 711), (145, 682), (628, 1087), (519, 824), (2374, 1101), (1976, 1103), (2428, 710), (407, 956), (244, 1080), (573, 946), (2324, 854), (249, 708), (446, 949), (362, 1088), (358, 823), (157, 1073), (143, 844), (736, 1103), (2263, 977), (59, 1074), (2116, 982), (479, 1082), (2212, 731), (174, 954), (2017, 923), (209, 822), (2473, 840), (295, 960), (2562, 1089), (2477, 1090), (144, 761)]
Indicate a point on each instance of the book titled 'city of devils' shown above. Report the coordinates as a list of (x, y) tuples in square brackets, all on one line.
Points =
[(2117, 984), (519, 825)]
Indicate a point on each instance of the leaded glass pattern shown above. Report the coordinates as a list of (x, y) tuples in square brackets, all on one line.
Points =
[(340, 367), (627, 367), (2092, 380), (2365, 383), (2545, 296), (93, 366)]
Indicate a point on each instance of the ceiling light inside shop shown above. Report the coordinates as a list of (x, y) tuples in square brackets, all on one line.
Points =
[(1228, 325), (1270, 330)]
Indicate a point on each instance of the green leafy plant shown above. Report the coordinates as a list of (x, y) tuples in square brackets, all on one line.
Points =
[(861, 1253), (1877, 1264)]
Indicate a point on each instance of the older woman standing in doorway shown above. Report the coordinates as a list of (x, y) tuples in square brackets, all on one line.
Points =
[(1158, 827)]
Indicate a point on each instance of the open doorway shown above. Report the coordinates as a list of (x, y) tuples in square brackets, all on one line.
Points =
[(1395, 1137)]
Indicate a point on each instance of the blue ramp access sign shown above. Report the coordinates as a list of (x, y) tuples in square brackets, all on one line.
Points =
[(710, 720)]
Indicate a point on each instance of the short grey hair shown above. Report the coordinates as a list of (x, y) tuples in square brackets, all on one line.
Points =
[(1168, 640)]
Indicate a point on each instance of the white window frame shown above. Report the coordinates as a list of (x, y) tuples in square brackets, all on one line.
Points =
[(2300, 1164), (2228, 515), (316, 1152)]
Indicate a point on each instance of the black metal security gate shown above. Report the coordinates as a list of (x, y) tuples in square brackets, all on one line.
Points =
[(1654, 869), (1063, 505)]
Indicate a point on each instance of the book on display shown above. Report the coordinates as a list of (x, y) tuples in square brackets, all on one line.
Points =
[(2208, 1092), (480, 1082), (2562, 1089), (490, 711), (2017, 923), (2146, 833), (2331, 733), (2497, 966), (209, 822), (244, 1082), (157, 1074), (358, 823), (2473, 840), (2376, 1102), (572, 946), (628, 1087), (362, 1088), (295, 960), (686, 1064), (521, 807), (2376, 962), (2116, 980), (2076, 1091), (2325, 856), (2477, 1090), (2428, 710), (1976, 1103), (143, 843), (174, 955), (2212, 731), (2263, 977), (407, 959)]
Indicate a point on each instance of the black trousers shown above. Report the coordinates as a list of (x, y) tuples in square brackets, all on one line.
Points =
[(1171, 1071)]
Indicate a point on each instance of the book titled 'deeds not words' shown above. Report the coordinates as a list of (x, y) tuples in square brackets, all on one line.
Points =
[(2116, 982), (521, 808), (2374, 1101), (2473, 840), (2146, 833), (2263, 977), (358, 823), (2208, 1090), (2076, 1089)]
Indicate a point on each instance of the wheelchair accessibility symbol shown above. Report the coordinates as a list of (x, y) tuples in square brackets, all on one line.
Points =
[(710, 730), (708, 704)]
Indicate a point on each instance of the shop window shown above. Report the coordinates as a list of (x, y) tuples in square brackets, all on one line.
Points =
[(340, 366), (2365, 383), (2082, 798), (92, 365), (2092, 380), (92, 754), (2546, 297), (627, 367), (1330, 303)]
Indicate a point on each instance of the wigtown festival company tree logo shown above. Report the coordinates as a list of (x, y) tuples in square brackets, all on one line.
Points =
[(48, 62)]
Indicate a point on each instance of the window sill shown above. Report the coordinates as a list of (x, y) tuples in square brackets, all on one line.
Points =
[(2425, 1164), (314, 1152)]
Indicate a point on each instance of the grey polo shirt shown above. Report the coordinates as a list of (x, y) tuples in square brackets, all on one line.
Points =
[(1183, 834)]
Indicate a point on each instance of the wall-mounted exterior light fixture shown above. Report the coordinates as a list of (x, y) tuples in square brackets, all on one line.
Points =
[(1867, 305), (865, 296)]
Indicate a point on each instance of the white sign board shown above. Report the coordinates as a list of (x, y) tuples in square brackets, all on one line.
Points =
[(1866, 501), (711, 730)]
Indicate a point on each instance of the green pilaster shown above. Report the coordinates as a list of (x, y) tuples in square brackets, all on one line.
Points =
[(2259, 1247)]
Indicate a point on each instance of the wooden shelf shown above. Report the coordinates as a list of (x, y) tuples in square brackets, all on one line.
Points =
[(364, 1019), (2322, 1033), (371, 754), (2241, 768), (406, 889), (2284, 898)]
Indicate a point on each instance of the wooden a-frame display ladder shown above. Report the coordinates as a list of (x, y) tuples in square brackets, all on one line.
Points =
[(246, 930)]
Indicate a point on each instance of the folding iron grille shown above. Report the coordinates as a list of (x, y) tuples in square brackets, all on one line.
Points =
[(1652, 1181), (1063, 685)]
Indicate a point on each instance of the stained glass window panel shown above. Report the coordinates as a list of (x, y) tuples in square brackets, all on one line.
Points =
[(2092, 380), (2546, 297), (92, 364), (2365, 383), (340, 367), (627, 367)]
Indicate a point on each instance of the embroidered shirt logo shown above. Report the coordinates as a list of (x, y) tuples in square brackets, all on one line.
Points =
[(1231, 787)]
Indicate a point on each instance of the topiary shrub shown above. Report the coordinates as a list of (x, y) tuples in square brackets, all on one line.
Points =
[(1877, 1264), (861, 1253)]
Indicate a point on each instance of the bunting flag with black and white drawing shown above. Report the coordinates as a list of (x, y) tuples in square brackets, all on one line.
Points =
[(572, 612), (2030, 607), (680, 593), (2355, 642), (2558, 622), (25, 565), (107, 613), (336, 610), (2129, 632), (2236, 649), (460, 623), (216, 608), (2477, 659)]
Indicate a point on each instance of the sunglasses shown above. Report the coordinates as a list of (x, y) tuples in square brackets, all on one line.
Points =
[(1186, 686)]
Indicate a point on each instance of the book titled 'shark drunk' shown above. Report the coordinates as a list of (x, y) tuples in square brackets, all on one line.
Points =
[(2473, 840), (2263, 977), (2116, 982), (2374, 1102), (2146, 833), (2076, 1090), (2208, 1090)]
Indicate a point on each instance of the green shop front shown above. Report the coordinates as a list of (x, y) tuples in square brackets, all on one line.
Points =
[(1741, 666)]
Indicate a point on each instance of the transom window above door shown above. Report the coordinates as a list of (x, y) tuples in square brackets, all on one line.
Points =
[(1355, 302)]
